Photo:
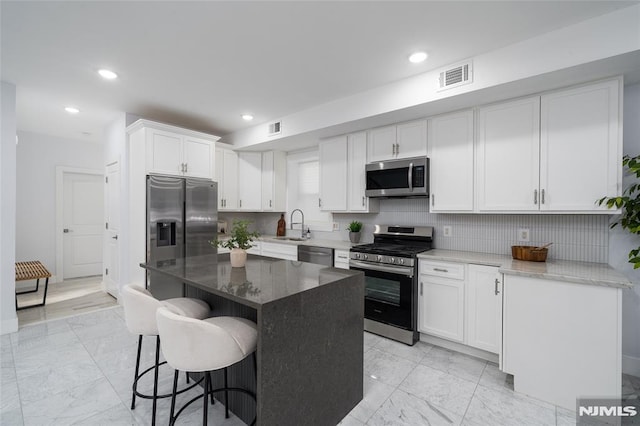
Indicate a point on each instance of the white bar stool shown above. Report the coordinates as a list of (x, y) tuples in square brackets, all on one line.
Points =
[(140, 317), (204, 346)]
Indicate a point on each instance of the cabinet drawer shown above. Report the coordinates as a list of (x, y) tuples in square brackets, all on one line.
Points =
[(442, 269)]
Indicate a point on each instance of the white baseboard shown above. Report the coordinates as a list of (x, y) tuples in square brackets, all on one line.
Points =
[(631, 365), (9, 326)]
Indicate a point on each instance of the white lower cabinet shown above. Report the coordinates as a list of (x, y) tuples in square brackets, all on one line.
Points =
[(441, 300), (461, 303), (279, 251), (483, 320), (341, 259)]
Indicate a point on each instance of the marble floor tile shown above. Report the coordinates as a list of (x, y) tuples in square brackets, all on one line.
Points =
[(39, 330), (43, 343), (413, 353), (114, 416), (71, 405), (630, 386), (9, 397), (455, 363), (33, 362), (408, 410), (7, 367), (387, 368), (350, 421), (371, 340), (439, 388), (375, 393), (565, 417), (117, 340), (492, 407), (493, 378), (54, 379), (125, 358)]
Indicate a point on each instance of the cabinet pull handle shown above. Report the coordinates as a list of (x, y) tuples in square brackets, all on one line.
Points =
[(363, 201), (542, 196), (319, 202), (496, 290), (186, 167), (535, 196), (393, 149), (421, 287), (440, 269), (240, 203), (433, 200), (270, 203), (397, 149)]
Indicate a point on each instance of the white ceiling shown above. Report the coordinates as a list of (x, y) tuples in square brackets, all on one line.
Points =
[(202, 64)]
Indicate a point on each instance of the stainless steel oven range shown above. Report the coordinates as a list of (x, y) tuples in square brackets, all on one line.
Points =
[(390, 266)]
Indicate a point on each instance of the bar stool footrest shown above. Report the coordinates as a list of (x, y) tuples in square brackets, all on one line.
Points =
[(168, 395)]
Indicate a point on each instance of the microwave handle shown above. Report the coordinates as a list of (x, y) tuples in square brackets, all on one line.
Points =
[(410, 176)]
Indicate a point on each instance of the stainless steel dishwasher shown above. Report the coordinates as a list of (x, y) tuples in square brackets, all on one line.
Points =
[(312, 254)]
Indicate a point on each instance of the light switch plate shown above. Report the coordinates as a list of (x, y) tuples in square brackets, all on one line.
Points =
[(336, 226), (523, 235), (446, 231)]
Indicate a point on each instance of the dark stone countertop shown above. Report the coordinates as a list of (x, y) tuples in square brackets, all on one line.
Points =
[(262, 280)]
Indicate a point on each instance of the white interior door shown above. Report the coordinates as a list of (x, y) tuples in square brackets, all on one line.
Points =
[(82, 216), (112, 218)]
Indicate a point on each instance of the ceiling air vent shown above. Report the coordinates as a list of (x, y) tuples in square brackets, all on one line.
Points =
[(275, 128), (456, 76)]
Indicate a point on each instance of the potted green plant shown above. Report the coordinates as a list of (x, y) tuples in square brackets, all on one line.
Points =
[(354, 229), (629, 202), (239, 242)]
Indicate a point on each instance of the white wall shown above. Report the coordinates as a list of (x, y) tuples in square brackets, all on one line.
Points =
[(36, 160), (8, 318), (621, 242)]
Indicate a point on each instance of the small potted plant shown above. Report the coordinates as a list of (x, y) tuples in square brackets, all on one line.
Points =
[(239, 242), (354, 229)]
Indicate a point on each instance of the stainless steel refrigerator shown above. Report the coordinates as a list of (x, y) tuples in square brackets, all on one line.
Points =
[(182, 217)]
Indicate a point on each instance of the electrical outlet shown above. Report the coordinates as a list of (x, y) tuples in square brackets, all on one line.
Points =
[(336, 226), (446, 231), (523, 235)]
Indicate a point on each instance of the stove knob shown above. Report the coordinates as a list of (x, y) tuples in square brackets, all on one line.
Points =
[(379, 258), (366, 257), (357, 255), (393, 260), (402, 261)]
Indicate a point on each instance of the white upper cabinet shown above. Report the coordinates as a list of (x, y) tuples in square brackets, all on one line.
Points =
[(227, 177), (357, 179), (333, 174), (174, 151), (451, 162), (404, 140), (274, 181), (580, 147), (249, 181), (508, 156)]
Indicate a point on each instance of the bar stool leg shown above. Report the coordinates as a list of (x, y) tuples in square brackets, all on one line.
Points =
[(135, 377), (226, 395), (155, 383), (205, 400), (173, 397), (213, 401)]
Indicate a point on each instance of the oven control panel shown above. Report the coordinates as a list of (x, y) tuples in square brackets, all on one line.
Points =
[(380, 258)]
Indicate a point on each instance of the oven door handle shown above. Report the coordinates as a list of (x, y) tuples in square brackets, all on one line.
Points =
[(402, 270)]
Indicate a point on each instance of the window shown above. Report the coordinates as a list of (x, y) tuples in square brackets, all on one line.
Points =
[(303, 190)]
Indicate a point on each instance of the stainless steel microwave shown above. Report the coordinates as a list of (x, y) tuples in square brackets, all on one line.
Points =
[(408, 177)]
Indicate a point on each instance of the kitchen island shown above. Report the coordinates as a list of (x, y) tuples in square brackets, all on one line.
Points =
[(310, 338)]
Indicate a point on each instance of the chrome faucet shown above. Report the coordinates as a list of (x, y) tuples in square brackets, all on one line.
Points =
[(296, 223)]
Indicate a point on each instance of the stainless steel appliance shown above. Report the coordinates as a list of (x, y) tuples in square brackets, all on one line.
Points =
[(312, 254), (390, 266), (182, 217), (408, 177)]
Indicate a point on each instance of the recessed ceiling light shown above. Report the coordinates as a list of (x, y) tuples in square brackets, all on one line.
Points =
[(71, 110), (417, 57), (107, 74), (247, 117)]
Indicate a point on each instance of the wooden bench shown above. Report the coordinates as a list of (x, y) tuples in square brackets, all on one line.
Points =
[(32, 270)]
